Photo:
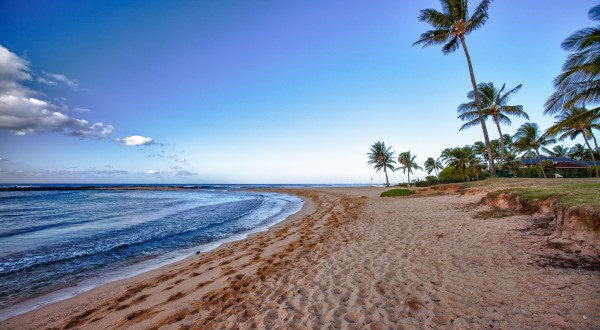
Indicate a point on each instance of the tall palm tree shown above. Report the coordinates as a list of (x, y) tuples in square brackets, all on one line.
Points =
[(577, 152), (528, 137), (480, 149), (451, 26), (493, 104), (557, 151), (461, 159), (572, 123), (382, 158), (579, 84), (408, 163), (433, 165)]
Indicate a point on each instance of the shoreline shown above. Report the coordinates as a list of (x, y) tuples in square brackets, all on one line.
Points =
[(132, 270), (350, 259)]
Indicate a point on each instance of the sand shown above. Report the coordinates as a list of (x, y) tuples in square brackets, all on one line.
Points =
[(353, 260)]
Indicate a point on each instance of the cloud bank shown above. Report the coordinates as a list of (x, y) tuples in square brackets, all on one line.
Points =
[(135, 140), (23, 112)]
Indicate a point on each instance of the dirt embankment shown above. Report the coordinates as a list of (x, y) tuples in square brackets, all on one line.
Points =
[(579, 225)]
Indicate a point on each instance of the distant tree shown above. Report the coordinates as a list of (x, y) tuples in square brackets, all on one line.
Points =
[(579, 84), (381, 158), (459, 159), (408, 163), (578, 152), (494, 104), (572, 123), (557, 151), (450, 27), (433, 165), (528, 138)]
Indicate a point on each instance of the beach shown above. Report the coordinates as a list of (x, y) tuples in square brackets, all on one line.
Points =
[(353, 260)]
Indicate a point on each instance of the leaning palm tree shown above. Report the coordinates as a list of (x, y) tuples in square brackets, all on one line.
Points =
[(493, 104), (451, 26), (577, 152), (528, 138), (382, 158), (572, 123), (557, 151), (579, 84), (433, 165), (408, 163)]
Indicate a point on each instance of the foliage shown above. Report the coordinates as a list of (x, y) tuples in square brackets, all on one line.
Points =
[(381, 158), (528, 137), (397, 192), (407, 162), (578, 84), (433, 165), (450, 27)]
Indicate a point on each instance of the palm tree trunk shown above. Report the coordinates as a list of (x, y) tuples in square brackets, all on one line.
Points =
[(501, 142), (592, 154), (483, 127), (387, 183), (541, 165), (595, 142), (408, 176)]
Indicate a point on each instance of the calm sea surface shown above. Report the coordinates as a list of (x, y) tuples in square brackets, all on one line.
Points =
[(55, 239)]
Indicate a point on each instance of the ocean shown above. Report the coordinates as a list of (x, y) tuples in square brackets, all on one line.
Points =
[(73, 240)]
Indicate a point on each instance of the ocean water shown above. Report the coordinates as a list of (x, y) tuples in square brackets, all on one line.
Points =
[(50, 240)]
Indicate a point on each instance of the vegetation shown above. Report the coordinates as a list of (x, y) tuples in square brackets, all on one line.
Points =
[(577, 90), (528, 137), (578, 85), (407, 162), (451, 26), (397, 192), (494, 104), (381, 158)]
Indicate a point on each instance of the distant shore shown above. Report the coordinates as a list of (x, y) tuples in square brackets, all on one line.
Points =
[(351, 259)]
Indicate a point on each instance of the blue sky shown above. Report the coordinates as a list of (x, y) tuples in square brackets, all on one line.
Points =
[(252, 92)]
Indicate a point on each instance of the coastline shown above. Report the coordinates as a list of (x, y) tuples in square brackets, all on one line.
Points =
[(349, 259)]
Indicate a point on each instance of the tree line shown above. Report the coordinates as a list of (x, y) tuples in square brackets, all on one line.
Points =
[(576, 88)]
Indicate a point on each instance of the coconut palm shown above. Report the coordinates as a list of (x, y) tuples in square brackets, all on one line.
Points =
[(557, 151), (572, 123), (407, 162), (451, 26), (461, 159), (578, 152), (494, 104), (433, 165), (579, 84), (528, 138), (382, 158)]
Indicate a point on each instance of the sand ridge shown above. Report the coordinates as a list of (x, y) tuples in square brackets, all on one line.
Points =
[(352, 260)]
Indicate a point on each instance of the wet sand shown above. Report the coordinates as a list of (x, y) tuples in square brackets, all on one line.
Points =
[(352, 260)]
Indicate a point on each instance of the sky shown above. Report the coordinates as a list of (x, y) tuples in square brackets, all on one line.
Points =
[(253, 92)]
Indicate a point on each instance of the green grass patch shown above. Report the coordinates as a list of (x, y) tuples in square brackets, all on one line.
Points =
[(566, 194), (397, 192)]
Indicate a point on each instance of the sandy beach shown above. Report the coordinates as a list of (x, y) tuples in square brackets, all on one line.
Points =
[(353, 260)]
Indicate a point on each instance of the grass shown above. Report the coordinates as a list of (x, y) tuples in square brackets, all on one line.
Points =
[(567, 192), (397, 192)]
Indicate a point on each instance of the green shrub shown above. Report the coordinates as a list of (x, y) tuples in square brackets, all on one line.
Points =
[(397, 192)]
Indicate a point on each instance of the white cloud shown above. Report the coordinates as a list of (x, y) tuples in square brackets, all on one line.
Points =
[(181, 160), (22, 112), (3, 159), (135, 140), (52, 78), (152, 172), (78, 109)]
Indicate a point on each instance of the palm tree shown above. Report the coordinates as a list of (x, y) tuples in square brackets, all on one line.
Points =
[(557, 151), (451, 26), (528, 138), (382, 158), (432, 165), (572, 123), (461, 159), (578, 85), (408, 163), (577, 152), (493, 104)]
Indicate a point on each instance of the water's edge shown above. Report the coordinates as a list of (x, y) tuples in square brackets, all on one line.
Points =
[(142, 267)]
